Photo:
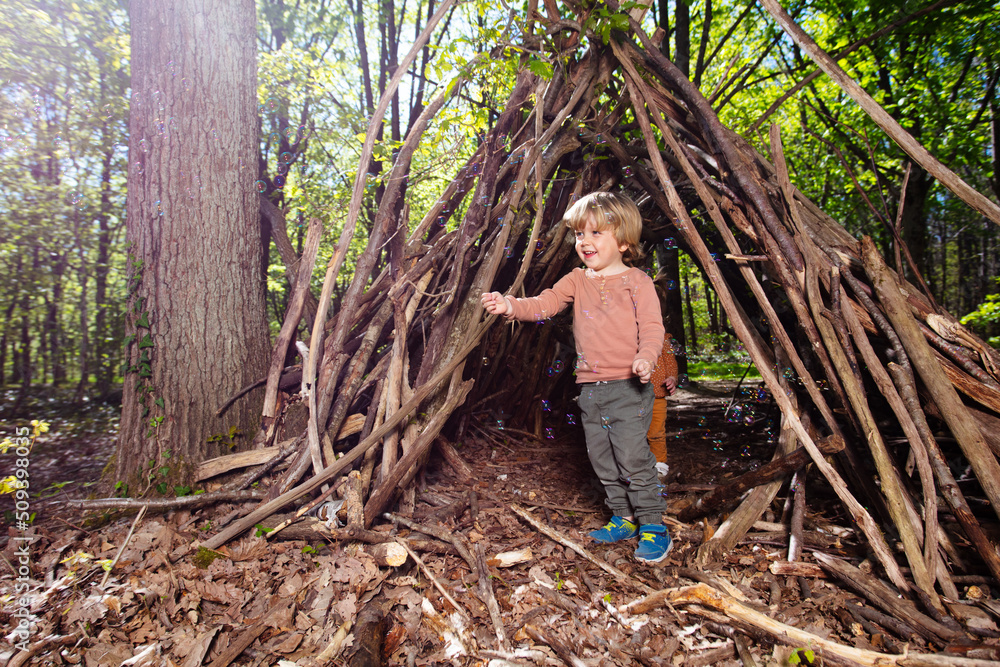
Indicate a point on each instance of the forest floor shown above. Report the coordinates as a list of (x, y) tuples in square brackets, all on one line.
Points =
[(559, 599)]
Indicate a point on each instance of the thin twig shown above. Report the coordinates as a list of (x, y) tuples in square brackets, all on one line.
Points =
[(121, 550)]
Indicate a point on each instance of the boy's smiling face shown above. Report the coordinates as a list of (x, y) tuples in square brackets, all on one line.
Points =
[(600, 250)]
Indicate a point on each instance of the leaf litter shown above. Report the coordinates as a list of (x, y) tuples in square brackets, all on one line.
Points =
[(275, 602)]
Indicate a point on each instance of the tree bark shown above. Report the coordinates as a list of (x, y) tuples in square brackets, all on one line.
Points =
[(196, 312)]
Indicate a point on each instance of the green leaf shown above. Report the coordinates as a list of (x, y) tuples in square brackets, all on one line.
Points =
[(541, 68), (143, 320), (146, 341)]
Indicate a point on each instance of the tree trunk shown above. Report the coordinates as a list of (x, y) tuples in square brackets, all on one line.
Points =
[(195, 323), (102, 353), (682, 17), (692, 347), (914, 221), (673, 311)]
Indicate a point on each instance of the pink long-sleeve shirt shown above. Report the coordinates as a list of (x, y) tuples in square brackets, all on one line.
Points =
[(616, 320)]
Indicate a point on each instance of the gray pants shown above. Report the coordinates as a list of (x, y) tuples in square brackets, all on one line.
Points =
[(616, 416)]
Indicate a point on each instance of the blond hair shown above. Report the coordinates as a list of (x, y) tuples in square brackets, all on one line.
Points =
[(609, 210)]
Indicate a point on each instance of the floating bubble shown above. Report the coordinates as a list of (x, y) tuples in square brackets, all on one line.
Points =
[(186, 85), (274, 137), (442, 220), (282, 168), (605, 424), (548, 433), (144, 145), (670, 243), (717, 256), (761, 395), (79, 201), (286, 157), (570, 418), (279, 181), (500, 425), (290, 133), (558, 365), (539, 244), (546, 406), (172, 68), (139, 167), (735, 414), (271, 105), (671, 285), (159, 208), (702, 421), (627, 171), (788, 373)]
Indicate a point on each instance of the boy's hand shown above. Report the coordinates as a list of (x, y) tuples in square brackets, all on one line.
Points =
[(494, 303), (671, 384), (643, 368)]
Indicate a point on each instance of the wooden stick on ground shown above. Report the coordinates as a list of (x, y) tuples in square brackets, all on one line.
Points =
[(121, 549), (566, 542), (701, 594)]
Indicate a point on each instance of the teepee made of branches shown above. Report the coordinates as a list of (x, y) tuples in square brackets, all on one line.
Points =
[(848, 349)]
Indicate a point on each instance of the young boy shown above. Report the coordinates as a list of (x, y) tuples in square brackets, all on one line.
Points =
[(664, 381), (619, 335)]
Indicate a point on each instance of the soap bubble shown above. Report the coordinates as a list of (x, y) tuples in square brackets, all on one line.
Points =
[(735, 414), (570, 418), (549, 433), (279, 181), (261, 186), (546, 406), (286, 157)]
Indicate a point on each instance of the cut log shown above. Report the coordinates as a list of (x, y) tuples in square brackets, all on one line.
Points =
[(387, 554)]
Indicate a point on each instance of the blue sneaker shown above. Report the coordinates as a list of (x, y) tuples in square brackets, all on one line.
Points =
[(616, 530), (654, 543)]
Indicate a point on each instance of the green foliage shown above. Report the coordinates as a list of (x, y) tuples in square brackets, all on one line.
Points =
[(62, 172), (986, 317)]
